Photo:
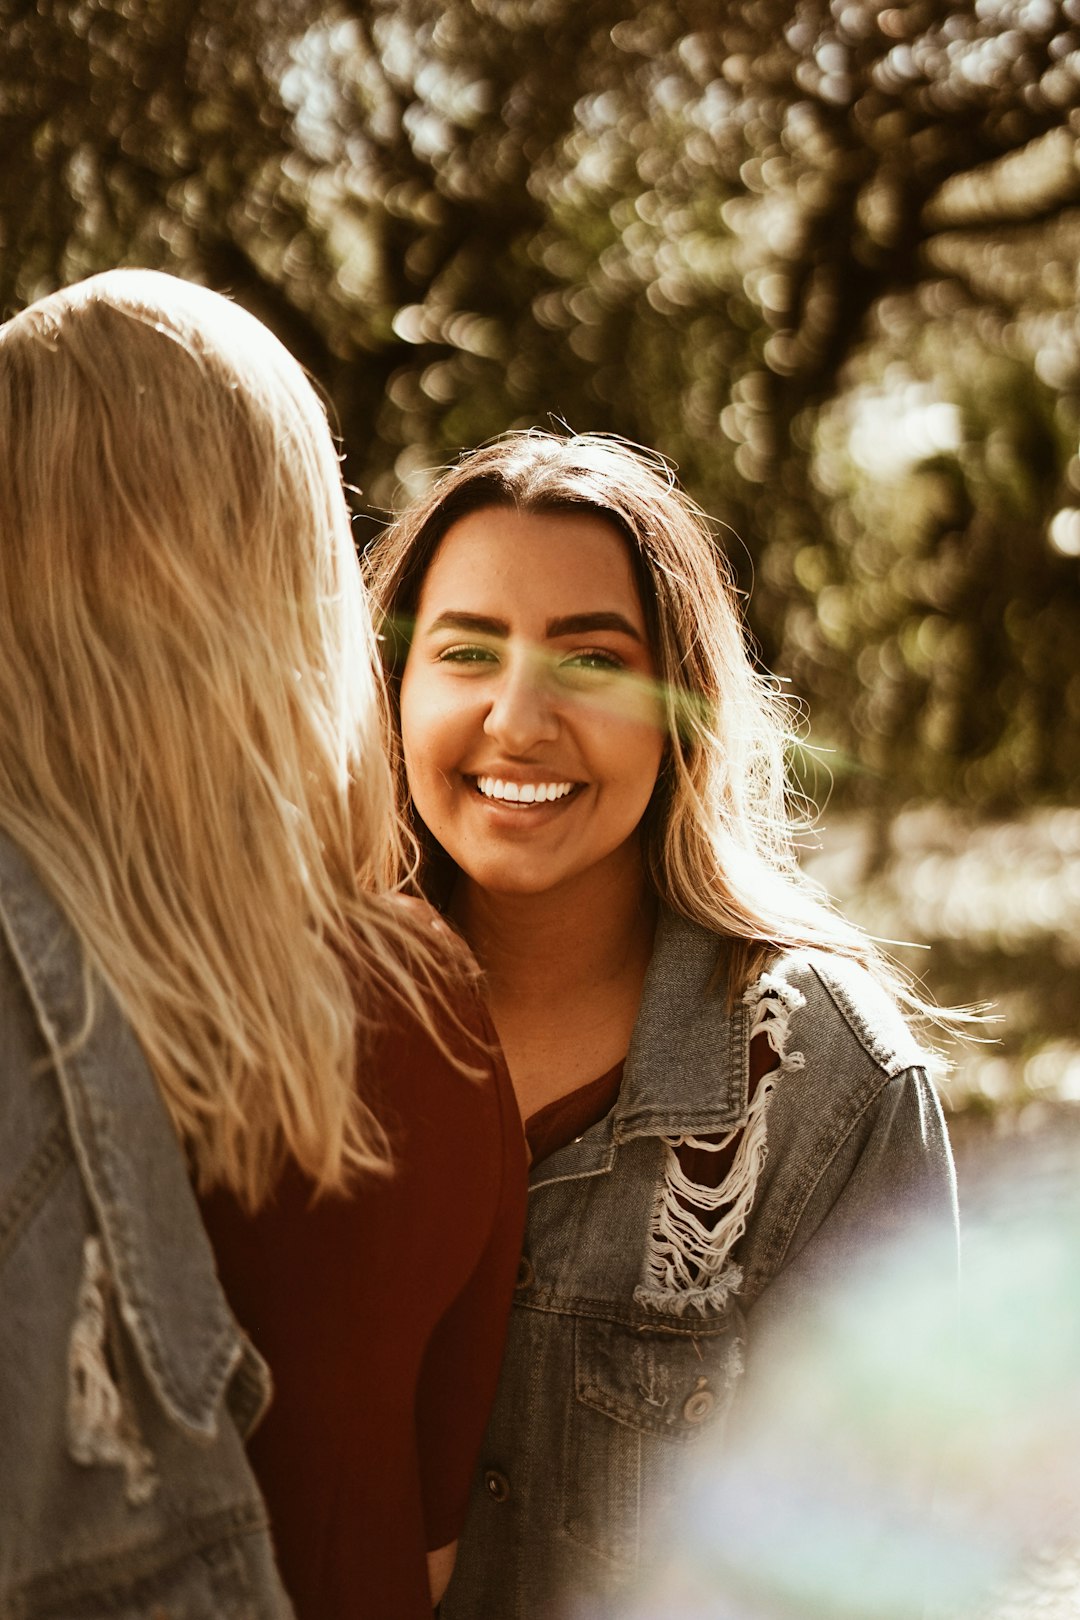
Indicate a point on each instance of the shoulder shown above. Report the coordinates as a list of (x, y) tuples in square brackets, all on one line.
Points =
[(848, 1063), (434, 997), (835, 1008), (419, 921), (815, 1000), (857, 1142), (438, 1058), (440, 1088)]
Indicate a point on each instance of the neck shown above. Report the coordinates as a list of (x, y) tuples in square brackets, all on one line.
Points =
[(564, 973), (537, 947)]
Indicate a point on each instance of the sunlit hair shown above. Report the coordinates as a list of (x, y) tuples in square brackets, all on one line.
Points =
[(719, 837), (192, 747)]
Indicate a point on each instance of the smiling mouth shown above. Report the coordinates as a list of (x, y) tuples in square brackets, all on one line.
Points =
[(496, 791)]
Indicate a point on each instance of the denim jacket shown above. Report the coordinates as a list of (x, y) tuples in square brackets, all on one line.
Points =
[(635, 1335), (126, 1387)]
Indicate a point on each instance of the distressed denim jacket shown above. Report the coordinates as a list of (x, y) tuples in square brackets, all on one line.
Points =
[(635, 1330), (125, 1385)]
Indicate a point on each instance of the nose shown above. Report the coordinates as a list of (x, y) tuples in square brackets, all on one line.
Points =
[(522, 713)]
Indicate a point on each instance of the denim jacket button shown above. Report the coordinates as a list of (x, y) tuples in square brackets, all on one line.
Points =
[(526, 1276), (697, 1406), (497, 1485)]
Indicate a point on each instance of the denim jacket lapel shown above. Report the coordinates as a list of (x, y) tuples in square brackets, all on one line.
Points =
[(131, 1165), (687, 1068)]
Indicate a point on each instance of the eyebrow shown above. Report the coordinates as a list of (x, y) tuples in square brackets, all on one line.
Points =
[(572, 624), (576, 624)]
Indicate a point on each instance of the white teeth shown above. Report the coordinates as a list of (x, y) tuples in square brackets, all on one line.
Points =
[(493, 787)]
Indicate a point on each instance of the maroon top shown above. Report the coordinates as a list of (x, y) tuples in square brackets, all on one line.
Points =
[(382, 1316)]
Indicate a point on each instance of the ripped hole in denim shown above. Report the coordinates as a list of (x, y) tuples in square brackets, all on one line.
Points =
[(101, 1429), (699, 1217)]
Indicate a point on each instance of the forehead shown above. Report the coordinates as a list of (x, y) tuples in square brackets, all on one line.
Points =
[(549, 564)]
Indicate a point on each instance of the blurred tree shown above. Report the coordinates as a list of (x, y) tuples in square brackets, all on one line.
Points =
[(939, 580), (149, 132), (716, 228)]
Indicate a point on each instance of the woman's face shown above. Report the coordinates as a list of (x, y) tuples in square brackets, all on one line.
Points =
[(530, 718)]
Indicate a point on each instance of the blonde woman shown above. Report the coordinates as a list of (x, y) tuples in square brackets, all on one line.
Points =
[(206, 990), (723, 1103)]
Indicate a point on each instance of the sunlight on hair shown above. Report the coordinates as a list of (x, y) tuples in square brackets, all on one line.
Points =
[(191, 717)]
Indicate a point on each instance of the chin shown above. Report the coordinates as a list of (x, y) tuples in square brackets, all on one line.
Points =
[(508, 883), (510, 877)]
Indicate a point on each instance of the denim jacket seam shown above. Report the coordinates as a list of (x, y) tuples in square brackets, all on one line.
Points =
[(578, 1309), (220, 1350), (680, 1122), (22, 907), (884, 1055), (34, 1183), (214, 1341)]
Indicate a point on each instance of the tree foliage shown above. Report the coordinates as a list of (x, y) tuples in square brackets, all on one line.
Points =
[(753, 234)]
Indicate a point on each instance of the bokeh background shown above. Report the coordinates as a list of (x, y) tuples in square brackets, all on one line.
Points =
[(823, 254)]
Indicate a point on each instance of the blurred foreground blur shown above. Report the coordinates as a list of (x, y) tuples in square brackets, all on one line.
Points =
[(899, 1463)]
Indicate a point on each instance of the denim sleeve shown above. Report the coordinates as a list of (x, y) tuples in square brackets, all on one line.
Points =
[(884, 1204)]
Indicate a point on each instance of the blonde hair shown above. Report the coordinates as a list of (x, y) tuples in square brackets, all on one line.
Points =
[(192, 736), (719, 836)]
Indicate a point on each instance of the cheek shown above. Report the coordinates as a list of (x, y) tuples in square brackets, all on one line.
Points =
[(433, 726), (415, 724), (657, 754), (639, 743), (650, 760)]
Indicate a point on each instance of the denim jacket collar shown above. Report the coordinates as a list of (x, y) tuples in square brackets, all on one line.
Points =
[(686, 1071), (158, 1251)]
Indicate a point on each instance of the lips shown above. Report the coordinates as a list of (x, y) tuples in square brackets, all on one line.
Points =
[(502, 791)]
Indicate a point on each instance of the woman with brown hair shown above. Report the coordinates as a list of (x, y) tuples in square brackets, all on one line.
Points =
[(723, 1101)]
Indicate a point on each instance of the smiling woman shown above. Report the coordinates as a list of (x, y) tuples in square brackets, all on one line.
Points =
[(722, 1101), (529, 759)]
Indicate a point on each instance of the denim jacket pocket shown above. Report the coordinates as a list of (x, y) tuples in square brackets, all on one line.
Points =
[(643, 1395)]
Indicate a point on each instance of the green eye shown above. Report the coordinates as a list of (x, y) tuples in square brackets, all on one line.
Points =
[(593, 662), (470, 654)]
